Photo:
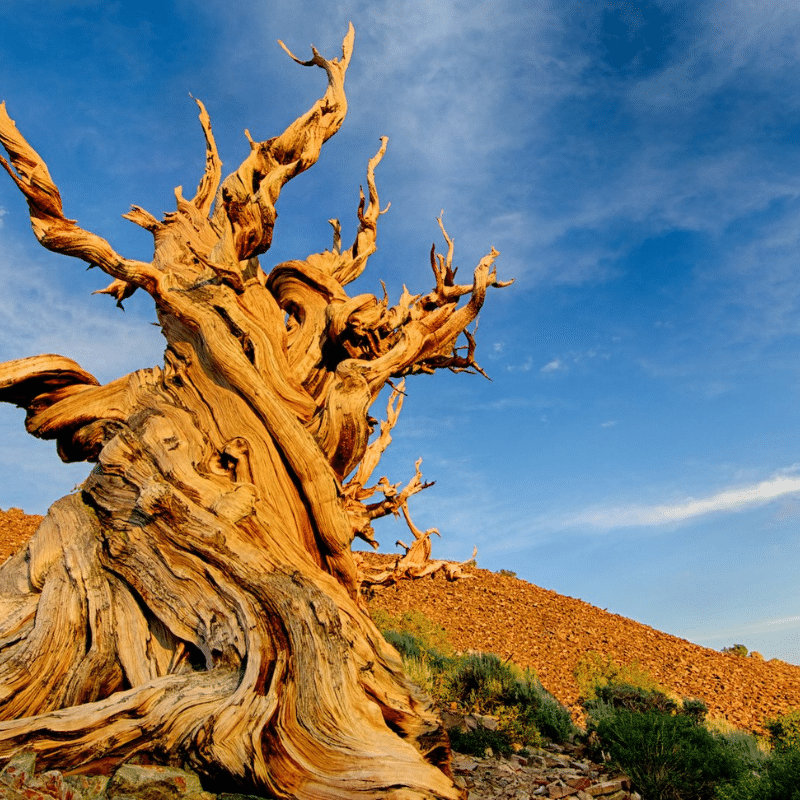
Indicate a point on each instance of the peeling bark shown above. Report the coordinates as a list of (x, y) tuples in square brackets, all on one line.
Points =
[(198, 598)]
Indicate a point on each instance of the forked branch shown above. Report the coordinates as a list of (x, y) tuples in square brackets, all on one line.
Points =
[(245, 208), (53, 230), (418, 334)]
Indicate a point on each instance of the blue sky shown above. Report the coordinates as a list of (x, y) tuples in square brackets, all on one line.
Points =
[(636, 165)]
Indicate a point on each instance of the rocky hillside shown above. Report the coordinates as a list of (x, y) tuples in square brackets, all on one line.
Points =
[(549, 632)]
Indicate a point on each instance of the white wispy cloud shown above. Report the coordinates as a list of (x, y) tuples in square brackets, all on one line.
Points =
[(524, 366), (740, 33), (737, 633), (553, 366), (734, 499)]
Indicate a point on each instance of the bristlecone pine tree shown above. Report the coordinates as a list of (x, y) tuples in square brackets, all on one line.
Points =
[(198, 600)]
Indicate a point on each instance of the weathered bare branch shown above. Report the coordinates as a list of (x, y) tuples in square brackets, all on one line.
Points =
[(120, 290), (209, 183), (53, 230), (418, 334), (245, 210)]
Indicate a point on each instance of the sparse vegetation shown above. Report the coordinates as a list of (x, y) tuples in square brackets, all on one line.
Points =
[(506, 573), (776, 778), (477, 683), (668, 746), (668, 756), (632, 698), (430, 635), (595, 671), (785, 730), (475, 743), (736, 650), (695, 709), (671, 751), (484, 683)]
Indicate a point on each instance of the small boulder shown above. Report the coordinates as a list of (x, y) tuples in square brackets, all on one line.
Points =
[(153, 783)]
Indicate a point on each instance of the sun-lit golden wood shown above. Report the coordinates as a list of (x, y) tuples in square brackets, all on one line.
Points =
[(198, 597)]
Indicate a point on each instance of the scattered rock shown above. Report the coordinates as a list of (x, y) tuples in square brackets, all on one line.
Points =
[(88, 787), (153, 783), (19, 781), (544, 774), (19, 769), (552, 772)]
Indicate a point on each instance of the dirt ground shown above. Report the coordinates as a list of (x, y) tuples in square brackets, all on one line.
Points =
[(549, 632)]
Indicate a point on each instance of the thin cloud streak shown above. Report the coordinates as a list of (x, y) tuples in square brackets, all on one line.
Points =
[(729, 500), (749, 629)]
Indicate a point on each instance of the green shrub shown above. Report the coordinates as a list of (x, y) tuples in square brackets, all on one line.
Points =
[(506, 573), (750, 752), (405, 643), (785, 730), (737, 650), (520, 725), (482, 681), (474, 743), (593, 671), (781, 780), (667, 757), (778, 778), (430, 635), (632, 698), (485, 684), (694, 708), (553, 720)]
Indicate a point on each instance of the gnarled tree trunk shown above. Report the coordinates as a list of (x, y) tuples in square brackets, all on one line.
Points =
[(198, 598)]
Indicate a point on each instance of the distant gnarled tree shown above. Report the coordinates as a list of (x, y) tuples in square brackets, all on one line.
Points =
[(197, 599)]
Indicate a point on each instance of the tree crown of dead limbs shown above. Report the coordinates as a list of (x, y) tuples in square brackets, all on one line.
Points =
[(325, 354)]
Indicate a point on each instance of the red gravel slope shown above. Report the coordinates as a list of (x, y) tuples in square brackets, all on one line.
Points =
[(550, 632)]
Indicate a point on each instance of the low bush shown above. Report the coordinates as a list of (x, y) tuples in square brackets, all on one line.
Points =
[(785, 730), (781, 779), (485, 684), (480, 682), (777, 778), (593, 671), (694, 709), (673, 752), (474, 743), (668, 757), (736, 650), (632, 698), (506, 573), (430, 635), (553, 720), (405, 643)]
